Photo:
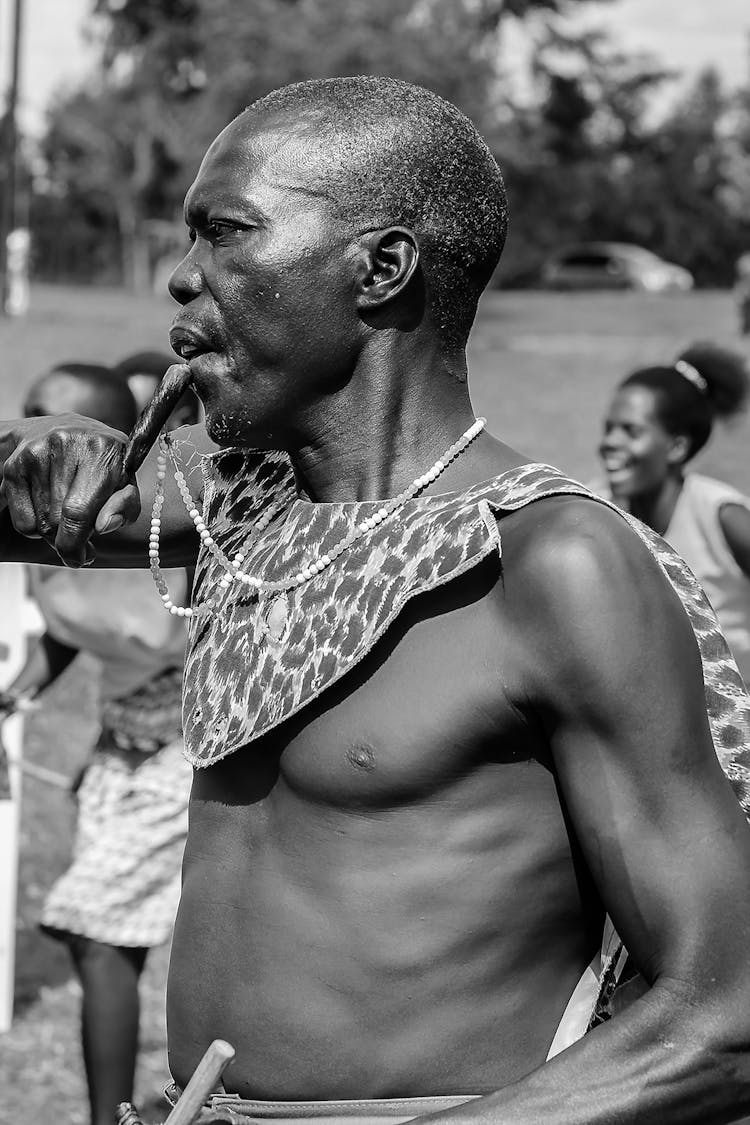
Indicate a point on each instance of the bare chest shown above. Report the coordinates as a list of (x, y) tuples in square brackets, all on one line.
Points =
[(429, 706)]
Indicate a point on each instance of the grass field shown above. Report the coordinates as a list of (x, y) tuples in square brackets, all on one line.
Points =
[(542, 367)]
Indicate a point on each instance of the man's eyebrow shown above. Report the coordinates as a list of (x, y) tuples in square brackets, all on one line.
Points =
[(197, 213)]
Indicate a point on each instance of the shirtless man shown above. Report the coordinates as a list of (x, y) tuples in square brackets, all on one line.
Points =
[(426, 772)]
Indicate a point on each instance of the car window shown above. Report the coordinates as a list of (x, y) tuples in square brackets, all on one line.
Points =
[(589, 260)]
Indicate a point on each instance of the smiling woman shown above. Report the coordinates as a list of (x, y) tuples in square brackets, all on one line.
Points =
[(659, 419)]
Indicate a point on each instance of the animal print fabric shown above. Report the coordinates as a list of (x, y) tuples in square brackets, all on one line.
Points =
[(243, 678)]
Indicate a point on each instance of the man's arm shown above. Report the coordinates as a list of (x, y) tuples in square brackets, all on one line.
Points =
[(62, 482), (611, 668)]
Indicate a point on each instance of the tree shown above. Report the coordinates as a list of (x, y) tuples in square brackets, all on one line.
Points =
[(173, 72)]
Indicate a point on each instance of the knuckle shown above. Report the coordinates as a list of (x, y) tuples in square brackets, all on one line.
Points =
[(24, 523), (73, 516), (13, 469)]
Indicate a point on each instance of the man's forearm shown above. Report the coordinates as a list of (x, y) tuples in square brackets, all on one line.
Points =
[(667, 1060)]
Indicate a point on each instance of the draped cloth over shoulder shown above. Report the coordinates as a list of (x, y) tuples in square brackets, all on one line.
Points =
[(243, 678)]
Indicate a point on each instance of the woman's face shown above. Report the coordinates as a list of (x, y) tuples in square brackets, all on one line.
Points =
[(638, 454)]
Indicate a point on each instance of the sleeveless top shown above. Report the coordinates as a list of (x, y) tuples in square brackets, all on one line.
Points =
[(253, 662), (695, 533)]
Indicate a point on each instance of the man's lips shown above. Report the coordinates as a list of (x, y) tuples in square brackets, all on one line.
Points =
[(187, 343)]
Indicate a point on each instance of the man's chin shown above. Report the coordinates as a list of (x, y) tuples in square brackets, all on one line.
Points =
[(220, 432)]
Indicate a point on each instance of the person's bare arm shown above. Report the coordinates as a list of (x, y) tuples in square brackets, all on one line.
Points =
[(611, 669), (735, 523), (62, 479)]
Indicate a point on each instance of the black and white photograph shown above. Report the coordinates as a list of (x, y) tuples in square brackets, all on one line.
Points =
[(374, 562)]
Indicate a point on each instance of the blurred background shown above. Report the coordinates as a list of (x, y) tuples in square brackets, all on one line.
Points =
[(624, 120), (623, 130)]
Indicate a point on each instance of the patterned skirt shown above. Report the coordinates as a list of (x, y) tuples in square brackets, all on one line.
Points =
[(123, 885)]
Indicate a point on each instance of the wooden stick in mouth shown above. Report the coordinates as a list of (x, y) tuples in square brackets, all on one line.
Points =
[(152, 420)]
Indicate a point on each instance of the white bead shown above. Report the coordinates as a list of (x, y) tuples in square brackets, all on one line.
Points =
[(207, 540), (153, 553), (188, 611), (174, 610), (382, 512), (200, 525), (194, 513), (326, 560)]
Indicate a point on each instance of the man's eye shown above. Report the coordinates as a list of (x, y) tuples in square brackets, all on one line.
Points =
[(217, 229)]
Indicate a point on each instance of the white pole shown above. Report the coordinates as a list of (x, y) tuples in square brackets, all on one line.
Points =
[(14, 618)]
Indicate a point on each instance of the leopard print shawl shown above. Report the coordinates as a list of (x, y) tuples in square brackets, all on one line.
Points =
[(244, 677)]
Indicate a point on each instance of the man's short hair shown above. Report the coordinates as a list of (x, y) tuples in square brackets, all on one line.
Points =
[(397, 154)]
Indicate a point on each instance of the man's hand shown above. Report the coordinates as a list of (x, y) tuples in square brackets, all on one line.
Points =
[(57, 475)]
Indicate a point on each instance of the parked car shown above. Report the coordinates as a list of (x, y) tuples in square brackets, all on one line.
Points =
[(613, 265)]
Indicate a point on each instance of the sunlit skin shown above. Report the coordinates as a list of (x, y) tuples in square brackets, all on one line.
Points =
[(395, 892)]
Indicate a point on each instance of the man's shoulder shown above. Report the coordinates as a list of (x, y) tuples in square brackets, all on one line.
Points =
[(564, 529), (570, 558)]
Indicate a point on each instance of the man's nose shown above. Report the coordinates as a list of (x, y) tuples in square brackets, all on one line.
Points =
[(186, 281)]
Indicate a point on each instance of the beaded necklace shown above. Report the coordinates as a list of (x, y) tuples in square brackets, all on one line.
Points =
[(233, 567)]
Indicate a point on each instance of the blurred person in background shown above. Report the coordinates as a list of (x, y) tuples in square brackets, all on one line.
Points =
[(143, 372), (659, 419), (119, 896)]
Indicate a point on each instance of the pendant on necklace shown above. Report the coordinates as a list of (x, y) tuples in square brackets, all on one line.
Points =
[(275, 619)]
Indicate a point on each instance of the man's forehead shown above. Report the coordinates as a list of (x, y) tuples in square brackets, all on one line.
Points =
[(251, 156)]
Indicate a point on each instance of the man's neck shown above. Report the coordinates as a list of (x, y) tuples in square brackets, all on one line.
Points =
[(384, 430)]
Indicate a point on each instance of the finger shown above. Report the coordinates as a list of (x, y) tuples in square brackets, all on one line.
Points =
[(39, 489), (121, 508), (152, 421), (90, 488), (17, 493)]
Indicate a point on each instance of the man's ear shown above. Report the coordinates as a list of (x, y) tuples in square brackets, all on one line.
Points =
[(387, 262)]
